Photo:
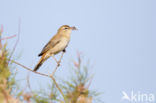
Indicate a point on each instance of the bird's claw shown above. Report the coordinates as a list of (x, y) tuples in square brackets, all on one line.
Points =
[(64, 50)]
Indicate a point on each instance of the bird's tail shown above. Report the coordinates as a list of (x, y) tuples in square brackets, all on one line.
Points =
[(39, 63)]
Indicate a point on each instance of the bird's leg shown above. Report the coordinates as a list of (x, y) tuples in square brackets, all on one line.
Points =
[(58, 62)]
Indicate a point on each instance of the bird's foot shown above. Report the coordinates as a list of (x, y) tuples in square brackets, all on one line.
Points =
[(64, 50)]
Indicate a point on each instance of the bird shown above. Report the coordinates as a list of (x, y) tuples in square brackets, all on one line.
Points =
[(57, 43)]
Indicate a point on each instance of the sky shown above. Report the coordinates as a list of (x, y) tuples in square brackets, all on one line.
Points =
[(117, 36)]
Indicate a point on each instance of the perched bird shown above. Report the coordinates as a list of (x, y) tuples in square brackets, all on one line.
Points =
[(57, 44)]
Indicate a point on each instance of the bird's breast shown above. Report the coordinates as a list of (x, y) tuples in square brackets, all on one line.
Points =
[(60, 46)]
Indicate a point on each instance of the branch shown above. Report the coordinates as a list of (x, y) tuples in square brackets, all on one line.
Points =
[(28, 82), (50, 76), (57, 86), (29, 69), (8, 37), (1, 30), (19, 30), (58, 64)]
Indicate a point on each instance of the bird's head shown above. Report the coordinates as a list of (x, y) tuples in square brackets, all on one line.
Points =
[(66, 29)]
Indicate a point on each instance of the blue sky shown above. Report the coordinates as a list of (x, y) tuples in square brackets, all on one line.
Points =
[(118, 36)]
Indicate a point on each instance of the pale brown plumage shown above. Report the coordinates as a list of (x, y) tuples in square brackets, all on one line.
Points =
[(57, 44)]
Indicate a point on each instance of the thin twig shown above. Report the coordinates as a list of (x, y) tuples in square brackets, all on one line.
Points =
[(28, 82), (1, 31), (57, 65), (91, 79), (18, 36), (8, 37)]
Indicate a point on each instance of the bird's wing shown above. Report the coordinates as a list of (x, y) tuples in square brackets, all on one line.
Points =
[(55, 40)]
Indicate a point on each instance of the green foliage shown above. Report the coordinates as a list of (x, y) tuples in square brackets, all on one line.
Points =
[(40, 99), (4, 68), (78, 82), (7, 79)]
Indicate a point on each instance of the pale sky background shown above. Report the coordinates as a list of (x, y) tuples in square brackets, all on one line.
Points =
[(118, 36)]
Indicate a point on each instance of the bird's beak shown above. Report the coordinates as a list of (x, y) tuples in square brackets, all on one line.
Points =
[(74, 28)]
